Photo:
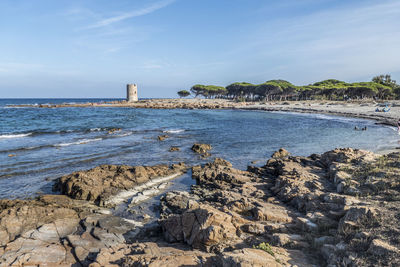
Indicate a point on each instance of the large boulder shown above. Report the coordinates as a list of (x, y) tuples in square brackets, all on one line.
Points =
[(204, 227), (99, 184), (201, 148), (346, 155), (20, 216), (281, 153)]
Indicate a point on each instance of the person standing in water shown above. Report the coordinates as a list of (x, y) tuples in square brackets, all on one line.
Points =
[(398, 125)]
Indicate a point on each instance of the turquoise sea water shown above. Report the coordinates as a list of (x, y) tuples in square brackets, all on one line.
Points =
[(48, 143)]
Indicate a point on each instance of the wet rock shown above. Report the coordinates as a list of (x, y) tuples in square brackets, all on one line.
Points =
[(162, 137), (101, 183), (174, 148), (201, 148)]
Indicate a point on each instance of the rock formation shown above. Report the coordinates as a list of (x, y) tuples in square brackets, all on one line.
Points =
[(340, 208), (202, 149), (99, 184)]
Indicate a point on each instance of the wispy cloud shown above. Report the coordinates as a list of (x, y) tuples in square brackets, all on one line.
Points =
[(348, 42), (136, 13)]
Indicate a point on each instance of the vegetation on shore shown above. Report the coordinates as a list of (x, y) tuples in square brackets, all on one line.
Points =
[(183, 93), (381, 87)]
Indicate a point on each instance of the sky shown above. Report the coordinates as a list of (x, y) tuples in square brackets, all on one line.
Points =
[(93, 48)]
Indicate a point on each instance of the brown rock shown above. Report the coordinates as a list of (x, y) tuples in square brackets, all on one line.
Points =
[(19, 216), (204, 227), (100, 183), (162, 137), (281, 153), (249, 257), (201, 148)]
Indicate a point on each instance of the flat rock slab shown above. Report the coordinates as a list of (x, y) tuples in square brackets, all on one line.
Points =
[(100, 183)]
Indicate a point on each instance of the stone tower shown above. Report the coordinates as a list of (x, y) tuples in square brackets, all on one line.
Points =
[(131, 93)]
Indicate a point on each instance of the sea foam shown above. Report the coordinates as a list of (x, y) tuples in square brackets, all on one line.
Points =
[(80, 142), (7, 136), (174, 131)]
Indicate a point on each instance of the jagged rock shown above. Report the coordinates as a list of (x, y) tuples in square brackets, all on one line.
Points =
[(20, 216), (286, 240), (220, 162), (249, 257), (220, 173), (99, 184), (41, 246), (254, 228), (355, 218), (346, 155), (380, 248), (201, 148), (204, 227), (320, 241), (173, 148), (328, 251), (272, 213), (153, 254), (281, 153), (177, 202), (162, 137)]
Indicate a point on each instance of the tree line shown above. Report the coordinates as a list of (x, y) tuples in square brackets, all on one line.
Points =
[(381, 87)]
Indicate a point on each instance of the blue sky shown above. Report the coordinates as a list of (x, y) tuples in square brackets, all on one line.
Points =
[(93, 48)]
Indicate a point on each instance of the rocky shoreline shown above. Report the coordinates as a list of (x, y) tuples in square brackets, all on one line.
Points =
[(358, 109), (340, 208)]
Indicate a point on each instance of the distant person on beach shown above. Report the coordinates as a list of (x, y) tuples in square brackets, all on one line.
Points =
[(398, 125)]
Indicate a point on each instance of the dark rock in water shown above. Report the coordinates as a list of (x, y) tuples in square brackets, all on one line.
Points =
[(101, 183), (162, 137), (113, 130), (173, 148), (202, 148)]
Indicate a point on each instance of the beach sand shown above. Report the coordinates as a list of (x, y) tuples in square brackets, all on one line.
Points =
[(361, 109)]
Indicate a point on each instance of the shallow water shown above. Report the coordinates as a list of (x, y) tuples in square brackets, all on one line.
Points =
[(48, 143)]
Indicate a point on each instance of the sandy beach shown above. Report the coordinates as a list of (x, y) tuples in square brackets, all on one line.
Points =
[(361, 109)]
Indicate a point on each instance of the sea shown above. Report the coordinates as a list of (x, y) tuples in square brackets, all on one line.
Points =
[(38, 145)]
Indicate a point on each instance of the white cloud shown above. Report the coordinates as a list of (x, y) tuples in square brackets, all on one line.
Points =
[(136, 13), (349, 42)]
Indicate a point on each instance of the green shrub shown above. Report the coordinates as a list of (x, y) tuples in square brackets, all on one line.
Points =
[(266, 247)]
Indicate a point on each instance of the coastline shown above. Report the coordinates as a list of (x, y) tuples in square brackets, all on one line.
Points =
[(294, 210), (361, 109), (303, 211)]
